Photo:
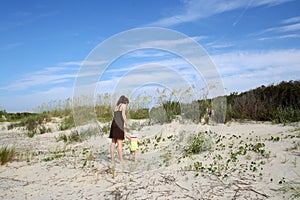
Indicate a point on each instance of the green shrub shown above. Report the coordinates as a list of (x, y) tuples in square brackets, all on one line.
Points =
[(198, 143), (172, 109), (104, 113), (7, 154), (106, 128), (75, 136), (67, 123), (62, 137), (158, 115), (139, 113), (31, 134)]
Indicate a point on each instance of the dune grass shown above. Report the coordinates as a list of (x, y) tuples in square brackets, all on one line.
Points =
[(7, 154), (292, 187)]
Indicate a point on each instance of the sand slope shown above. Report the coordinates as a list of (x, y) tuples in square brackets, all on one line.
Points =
[(247, 161)]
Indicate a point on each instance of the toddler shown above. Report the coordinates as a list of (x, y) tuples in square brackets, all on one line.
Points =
[(134, 145)]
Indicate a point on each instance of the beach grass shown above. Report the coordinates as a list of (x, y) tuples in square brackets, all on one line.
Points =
[(7, 154)]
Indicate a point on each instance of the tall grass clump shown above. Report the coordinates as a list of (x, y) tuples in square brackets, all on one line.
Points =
[(7, 154), (67, 123)]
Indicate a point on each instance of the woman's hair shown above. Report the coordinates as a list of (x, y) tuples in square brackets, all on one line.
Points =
[(122, 99)]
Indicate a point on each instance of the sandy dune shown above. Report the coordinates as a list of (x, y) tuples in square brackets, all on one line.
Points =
[(249, 160)]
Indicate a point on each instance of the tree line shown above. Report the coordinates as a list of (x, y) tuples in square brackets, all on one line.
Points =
[(277, 103)]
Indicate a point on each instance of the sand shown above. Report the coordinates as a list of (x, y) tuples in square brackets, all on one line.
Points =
[(248, 160)]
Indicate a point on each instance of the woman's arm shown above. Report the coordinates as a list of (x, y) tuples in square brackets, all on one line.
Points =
[(124, 115)]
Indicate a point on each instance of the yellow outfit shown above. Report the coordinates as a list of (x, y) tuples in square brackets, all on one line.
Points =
[(133, 145)]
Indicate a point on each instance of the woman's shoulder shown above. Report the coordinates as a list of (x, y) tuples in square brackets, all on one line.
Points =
[(122, 106)]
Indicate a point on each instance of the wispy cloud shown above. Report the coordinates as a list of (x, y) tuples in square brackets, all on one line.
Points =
[(222, 45), (291, 20), (287, 36), (197, 9), (286, 28), (251, 69), (46, 77), (239, 71)]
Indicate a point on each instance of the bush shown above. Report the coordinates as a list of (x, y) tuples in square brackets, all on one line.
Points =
[(278, 103), (6, 154), (158, 115), (139, 113), (198, 143), (75, 136), (67, 123)]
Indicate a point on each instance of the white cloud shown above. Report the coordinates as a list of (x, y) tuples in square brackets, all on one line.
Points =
[(241, 71), (291, 20), (196, 9), (287, 28), (287, 36), (47, 76)]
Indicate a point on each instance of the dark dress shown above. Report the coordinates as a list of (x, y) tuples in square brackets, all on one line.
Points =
[(117, 125)]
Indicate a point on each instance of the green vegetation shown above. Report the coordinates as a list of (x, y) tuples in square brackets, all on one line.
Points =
[(278, 103), (67, 123), (198, 143), (32, 122), (76, 136), (254, 155), (7, 154)]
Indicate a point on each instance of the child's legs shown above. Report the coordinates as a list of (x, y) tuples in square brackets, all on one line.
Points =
[(130, 154), (135, 154)]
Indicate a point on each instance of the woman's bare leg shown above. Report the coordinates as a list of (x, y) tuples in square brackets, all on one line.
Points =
[(120, 142), (112, 150)]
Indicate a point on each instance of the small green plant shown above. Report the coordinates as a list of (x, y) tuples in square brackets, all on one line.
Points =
[(62, 137), (74, 137), (7, 154), (167, 157), (56, 154), (106, 129), (43, 129), (31, 134), (198, 143), (145, 147)]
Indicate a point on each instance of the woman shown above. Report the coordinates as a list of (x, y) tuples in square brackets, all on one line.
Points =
[(117, 133)]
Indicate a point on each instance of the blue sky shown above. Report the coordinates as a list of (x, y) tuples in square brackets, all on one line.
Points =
[(44, 43)]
